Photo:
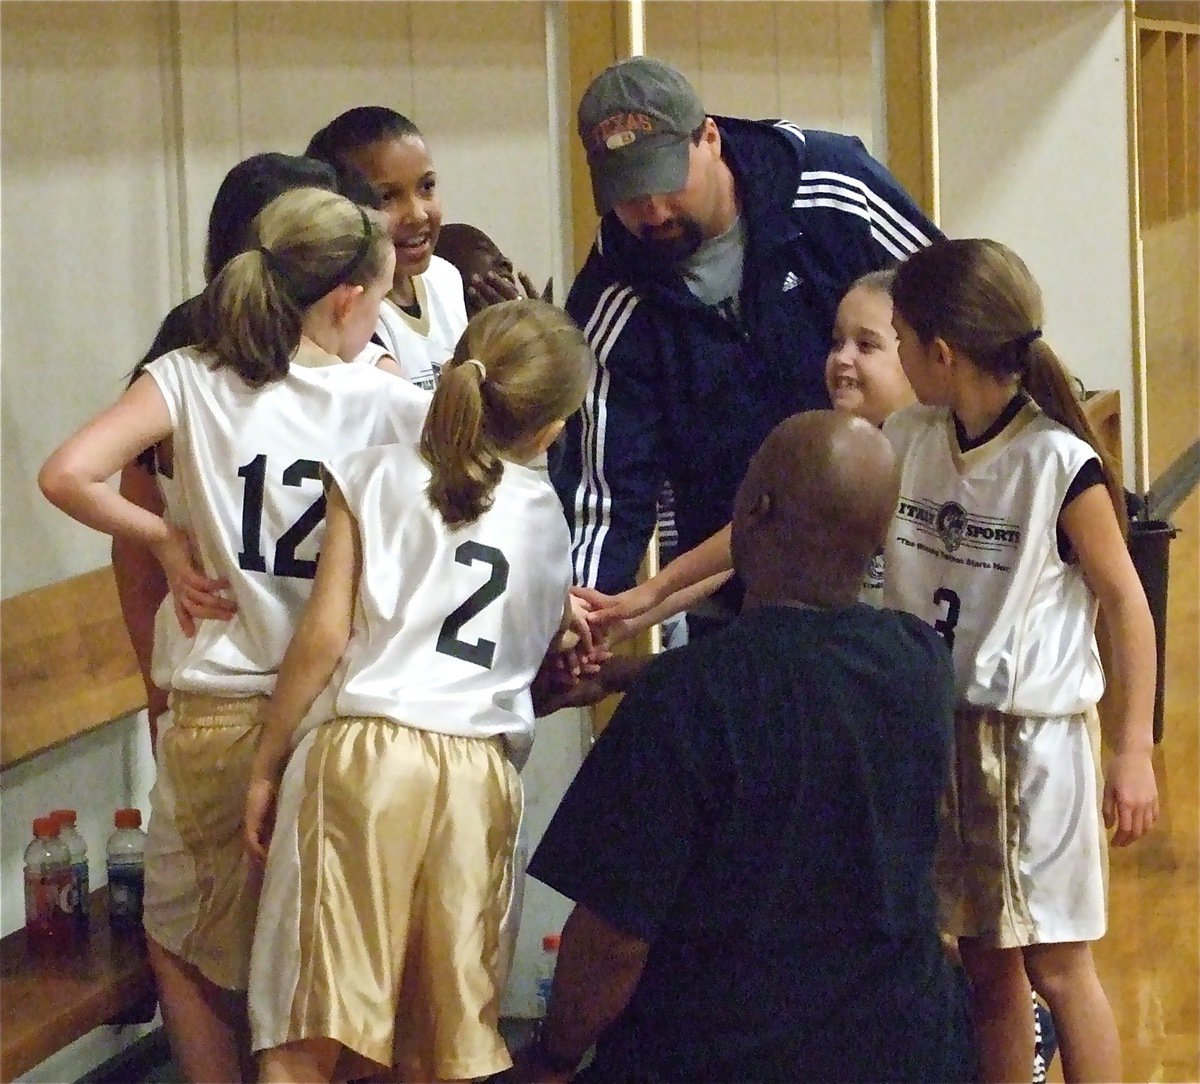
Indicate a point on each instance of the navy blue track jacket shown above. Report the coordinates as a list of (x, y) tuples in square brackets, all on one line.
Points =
[(682, 392)]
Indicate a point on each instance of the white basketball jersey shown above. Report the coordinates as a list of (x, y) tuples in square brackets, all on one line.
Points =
[(422, 344), (451, 624), (973, 550), (248, 463)]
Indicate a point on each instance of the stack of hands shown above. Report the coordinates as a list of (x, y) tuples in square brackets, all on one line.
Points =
[(582, 668)]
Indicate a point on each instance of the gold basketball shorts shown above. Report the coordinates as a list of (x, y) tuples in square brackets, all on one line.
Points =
[(201, 890), (388, 878), (1022, 853)]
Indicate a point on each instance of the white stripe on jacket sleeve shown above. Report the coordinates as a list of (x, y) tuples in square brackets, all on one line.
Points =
[(824, 188), (593, 499)]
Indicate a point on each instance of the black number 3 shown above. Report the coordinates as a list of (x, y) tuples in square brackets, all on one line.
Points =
[(945, 625), (482, 652)]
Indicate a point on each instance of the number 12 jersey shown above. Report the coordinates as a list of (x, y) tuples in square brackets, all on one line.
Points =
[(247, 462)]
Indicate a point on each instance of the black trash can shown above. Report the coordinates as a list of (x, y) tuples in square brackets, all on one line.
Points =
[(1149, 546)]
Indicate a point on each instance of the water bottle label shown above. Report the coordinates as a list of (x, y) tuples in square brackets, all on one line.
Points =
[(68, 898), (82, 889), (44, 899), (125, 895), (542, 994)]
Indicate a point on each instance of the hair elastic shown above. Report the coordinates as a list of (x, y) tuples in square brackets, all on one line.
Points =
[(271, 262), (364, 244), (478, 365), (1023, 342)]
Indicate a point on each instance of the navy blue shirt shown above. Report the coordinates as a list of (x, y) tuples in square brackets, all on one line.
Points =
[(762, 810), (686, 393)]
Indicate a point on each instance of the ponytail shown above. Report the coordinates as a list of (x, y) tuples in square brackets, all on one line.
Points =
[(980, 298), (248, 320), (309, 241), (519, 367), (465, 467), (1048, 384)]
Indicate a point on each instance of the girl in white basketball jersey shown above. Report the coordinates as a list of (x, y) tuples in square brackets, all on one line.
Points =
[(250, 412), (425, 311), (141, 587), (1008, 532), (443, 581)]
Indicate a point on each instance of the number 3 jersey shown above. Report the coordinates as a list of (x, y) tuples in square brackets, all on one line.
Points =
[(247, 464), (450, 623), (973, 551)]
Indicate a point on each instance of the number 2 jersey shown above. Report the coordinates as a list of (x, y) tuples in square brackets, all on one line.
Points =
[(450, 623), (248, 467), (973, 551)]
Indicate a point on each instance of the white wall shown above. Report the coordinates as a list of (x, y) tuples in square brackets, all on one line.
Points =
[(1034, 153), (84, 246), (86, 249)]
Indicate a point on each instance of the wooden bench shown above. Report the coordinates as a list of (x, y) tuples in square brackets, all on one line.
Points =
[(66, 669)]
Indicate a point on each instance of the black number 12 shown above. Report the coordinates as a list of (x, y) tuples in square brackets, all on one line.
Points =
[(286, 562)]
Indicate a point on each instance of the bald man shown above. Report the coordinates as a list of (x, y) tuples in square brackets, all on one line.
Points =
[(749, 843)]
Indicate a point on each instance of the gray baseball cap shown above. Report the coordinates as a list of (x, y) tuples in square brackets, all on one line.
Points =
[(636, 120)]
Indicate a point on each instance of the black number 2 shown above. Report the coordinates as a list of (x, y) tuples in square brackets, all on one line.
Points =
[(482, 652), (286, 562), (945, 625)]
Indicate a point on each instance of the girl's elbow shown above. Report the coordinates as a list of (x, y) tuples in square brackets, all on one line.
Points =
[(56, 483)]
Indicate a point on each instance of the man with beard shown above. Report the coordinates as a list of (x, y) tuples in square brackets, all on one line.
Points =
[(708, 299)]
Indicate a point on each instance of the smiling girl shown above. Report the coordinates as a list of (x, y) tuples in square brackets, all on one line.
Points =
[(424, 313)]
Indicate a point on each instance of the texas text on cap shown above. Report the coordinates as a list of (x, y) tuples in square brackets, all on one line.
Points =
[(636, 120)]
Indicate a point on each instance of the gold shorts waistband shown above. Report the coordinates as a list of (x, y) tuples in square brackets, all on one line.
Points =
[(206, 710)]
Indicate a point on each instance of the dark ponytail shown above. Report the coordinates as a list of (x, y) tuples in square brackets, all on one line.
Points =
[(980, 298)]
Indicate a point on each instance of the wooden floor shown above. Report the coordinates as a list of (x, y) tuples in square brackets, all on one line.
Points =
[(1150, 960)]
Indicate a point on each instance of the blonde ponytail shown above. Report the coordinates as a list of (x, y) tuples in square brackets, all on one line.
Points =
[(519, 367), (465, 467), (310, 241)]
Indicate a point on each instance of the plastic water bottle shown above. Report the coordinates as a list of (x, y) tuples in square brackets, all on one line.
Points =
[(126, 878), (545, 971), (79, 865), (47, 882)]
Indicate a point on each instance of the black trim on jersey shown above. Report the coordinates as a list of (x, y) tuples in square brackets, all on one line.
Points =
[(966, 444), (1090, 474)]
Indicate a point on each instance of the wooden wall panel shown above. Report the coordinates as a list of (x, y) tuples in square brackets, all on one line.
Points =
[(1152, 124), (1169, 184), (809, 63), (910, 71)]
